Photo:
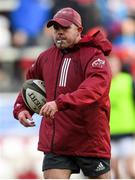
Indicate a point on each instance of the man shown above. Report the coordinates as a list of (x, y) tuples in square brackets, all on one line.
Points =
[(74, 132)]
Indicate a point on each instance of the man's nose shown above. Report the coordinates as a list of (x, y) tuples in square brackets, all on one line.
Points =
[(60, 31)]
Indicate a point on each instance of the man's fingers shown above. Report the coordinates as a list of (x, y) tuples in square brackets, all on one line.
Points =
[(29, 117), (52, 114), (27, 122), (49, 109), (30, 122), (43, 110), (23, 122), (26, 119)]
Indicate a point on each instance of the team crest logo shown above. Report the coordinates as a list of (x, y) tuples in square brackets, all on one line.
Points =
[(98, 63)]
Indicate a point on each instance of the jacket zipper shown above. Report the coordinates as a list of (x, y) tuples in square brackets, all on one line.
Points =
[(53, 135)]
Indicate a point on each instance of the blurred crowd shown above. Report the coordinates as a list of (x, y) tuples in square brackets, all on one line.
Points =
[(23, 35)]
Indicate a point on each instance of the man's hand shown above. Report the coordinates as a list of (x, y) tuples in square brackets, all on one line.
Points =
[(26, 119), (49, 109)]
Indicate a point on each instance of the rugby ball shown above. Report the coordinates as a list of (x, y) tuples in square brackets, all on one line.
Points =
[(34, 94)]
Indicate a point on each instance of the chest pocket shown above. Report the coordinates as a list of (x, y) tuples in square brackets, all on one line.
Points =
[(64, 72)]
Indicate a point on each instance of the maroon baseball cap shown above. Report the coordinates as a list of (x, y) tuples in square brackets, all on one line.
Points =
[(65, 17)]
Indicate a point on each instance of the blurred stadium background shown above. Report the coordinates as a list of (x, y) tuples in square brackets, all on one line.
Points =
[(22, 37)]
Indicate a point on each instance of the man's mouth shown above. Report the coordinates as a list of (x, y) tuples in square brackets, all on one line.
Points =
[(59, 41)]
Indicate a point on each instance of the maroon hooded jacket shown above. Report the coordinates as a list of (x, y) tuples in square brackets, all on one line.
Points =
[(78, 79)]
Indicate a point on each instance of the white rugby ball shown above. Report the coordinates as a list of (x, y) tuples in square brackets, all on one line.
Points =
[(34, 94)]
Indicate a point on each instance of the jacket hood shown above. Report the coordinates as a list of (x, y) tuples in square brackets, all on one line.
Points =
[(97, 40)]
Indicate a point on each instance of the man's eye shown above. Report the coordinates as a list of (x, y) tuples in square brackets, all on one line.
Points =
[(56, 27), (65, 28)]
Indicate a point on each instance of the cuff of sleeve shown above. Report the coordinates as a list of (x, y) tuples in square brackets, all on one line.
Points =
[(60, 103), (15, 112), (21, 109)]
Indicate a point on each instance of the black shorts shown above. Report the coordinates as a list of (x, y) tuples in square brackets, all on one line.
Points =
[(90, 166)]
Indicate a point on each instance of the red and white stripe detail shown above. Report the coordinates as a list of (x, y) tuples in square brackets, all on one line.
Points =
[(64, 72)]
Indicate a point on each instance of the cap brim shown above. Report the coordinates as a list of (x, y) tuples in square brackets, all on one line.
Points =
[(60, 21)]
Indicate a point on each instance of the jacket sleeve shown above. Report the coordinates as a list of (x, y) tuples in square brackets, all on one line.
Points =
[(34, 72), (96, 83)]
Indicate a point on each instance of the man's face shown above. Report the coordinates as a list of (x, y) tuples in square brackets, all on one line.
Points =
[(66, 37)]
